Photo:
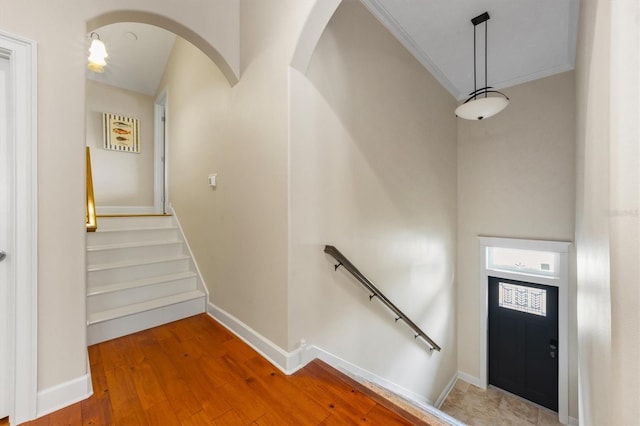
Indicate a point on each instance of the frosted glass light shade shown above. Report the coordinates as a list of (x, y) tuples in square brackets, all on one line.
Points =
[(480, 108), (97, 55)]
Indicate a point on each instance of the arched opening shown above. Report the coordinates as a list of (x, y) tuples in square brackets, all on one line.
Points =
[(131, 177), (169, 25), (317, 21)]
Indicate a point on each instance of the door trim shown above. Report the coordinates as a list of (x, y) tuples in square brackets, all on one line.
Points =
[(22, 53), (160, 194), (561, 281)]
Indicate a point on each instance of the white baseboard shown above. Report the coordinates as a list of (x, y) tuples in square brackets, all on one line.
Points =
[(287, 362), (475, 381), (445, 392), (573, 421), (63, 395), (125, 210)]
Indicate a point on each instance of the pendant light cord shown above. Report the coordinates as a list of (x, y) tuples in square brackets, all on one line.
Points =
[(475, 86), (486, 85)]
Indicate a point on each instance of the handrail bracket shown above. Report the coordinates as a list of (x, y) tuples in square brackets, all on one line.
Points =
[(374, 292)]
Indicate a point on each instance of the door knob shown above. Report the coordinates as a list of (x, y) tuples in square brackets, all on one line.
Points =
[(2, 255)]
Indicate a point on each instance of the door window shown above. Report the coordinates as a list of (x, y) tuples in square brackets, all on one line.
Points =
[(522, 298)]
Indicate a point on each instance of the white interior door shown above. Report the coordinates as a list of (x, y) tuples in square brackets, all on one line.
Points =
[(7, 213)]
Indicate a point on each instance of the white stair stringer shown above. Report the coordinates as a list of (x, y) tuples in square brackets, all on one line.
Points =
[(140, 274)]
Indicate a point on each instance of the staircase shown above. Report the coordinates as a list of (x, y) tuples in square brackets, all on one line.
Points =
[(139, 275)]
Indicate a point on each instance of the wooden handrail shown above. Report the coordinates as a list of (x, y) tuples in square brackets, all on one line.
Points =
[(91, 222), (344, 262)]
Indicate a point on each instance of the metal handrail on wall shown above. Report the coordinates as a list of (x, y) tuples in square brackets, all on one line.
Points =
[(344, 262)]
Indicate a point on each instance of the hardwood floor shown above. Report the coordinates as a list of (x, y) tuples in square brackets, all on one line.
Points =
[(195, 372)]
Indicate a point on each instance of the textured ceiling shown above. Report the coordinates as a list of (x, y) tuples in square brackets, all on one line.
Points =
[(527, 39)]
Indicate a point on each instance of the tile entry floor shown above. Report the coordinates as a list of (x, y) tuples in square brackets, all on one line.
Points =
[(474, 406)]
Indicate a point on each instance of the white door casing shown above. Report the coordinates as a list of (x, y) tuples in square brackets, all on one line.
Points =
[(18, 217), (160, 196), (6, 243), (561, 248)]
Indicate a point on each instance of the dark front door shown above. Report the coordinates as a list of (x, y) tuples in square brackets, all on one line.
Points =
[(523, 340)]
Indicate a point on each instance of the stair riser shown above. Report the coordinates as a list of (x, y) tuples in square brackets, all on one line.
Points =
[(117, 299), (136, 272), (108, 330), (134, 222), (129, 236), (103, 257)]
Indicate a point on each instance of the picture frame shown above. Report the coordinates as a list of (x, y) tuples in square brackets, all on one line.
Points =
[(121, 133)]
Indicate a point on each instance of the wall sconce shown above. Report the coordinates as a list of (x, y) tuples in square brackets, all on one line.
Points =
[(97, 54)]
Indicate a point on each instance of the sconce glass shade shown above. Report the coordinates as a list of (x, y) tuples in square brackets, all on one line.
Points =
[(97, 56), (479, 108)]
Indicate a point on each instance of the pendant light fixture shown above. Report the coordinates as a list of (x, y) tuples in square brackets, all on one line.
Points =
[(97, 54), (484, 102)]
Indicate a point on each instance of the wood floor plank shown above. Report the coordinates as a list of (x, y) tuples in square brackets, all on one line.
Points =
[(120, 352), (337, 420), (198, 419), (42, 421), (239, 350), (230, 418), (380, 415), (148, 387), (182, 350), (130, 412), (195, 372), (244, 400), (341, 409), (287, 399), (161, 414), (185, 405), (197, 381), (217, 406), (121, 386), (97, 409), (174, 381), (94, 355), (353, 400), (68, 416)]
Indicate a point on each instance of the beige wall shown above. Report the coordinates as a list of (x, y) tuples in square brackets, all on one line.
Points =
[(239, 231), (59, 28), (608, 202), (516, 178), (592, 233), (373, 172), (61, 247), (120, 178)]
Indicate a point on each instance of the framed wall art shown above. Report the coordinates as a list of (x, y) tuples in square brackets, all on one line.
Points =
[(121, 133)]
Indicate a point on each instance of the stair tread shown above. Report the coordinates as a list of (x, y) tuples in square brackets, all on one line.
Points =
[(132, 245), (135, 308), (114, 265), (125, 285), (139, 228)]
